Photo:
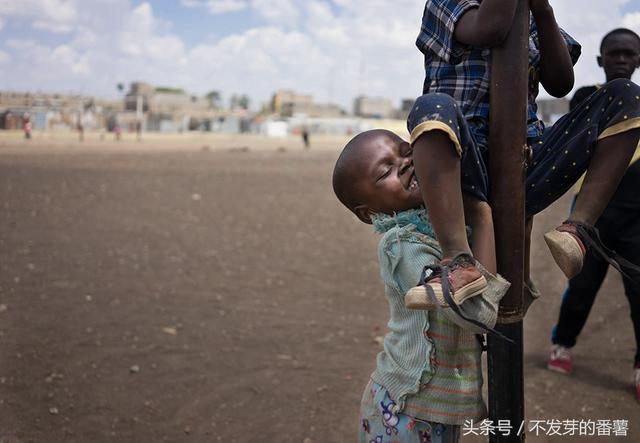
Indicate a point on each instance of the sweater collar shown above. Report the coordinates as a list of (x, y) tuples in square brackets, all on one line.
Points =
[(416, 217)]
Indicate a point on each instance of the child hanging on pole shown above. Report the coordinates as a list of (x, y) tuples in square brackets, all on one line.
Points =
[(427, 379)]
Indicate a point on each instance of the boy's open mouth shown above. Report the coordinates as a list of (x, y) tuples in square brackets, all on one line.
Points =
[(413, 182)]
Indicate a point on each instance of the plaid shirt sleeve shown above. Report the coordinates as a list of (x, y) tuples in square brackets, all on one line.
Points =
[(575, 49), (438, 24)]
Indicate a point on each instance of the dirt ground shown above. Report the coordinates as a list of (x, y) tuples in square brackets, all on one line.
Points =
[(214, 290)]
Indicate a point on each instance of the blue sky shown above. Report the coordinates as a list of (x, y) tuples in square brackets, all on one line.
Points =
[(332, 49), (196, 24)]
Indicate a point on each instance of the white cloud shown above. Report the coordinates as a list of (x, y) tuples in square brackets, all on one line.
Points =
[(52, 26), (223, 6), (139, 39), (332, 49), (49, 15), (216, 7), (20, 44), (279, 12), (191, 3), (632, 21)]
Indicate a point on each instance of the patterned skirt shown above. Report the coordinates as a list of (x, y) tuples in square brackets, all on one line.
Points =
[(380, 424)]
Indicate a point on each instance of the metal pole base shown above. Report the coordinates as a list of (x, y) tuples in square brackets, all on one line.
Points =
[(505, 369)]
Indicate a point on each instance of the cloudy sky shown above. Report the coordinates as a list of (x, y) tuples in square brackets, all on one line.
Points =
[(333, 49)]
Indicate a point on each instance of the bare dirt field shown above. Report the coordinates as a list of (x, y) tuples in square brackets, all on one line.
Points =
[(204, 290)]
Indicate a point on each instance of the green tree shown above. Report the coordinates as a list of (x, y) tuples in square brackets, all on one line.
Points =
[(240, 101), (170, 90), (244, 102), (214, 99)]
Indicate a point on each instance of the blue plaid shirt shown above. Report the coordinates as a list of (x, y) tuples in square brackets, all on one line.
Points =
[(462, 71)]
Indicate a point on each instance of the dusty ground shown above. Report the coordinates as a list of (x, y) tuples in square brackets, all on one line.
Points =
[(184, 291)]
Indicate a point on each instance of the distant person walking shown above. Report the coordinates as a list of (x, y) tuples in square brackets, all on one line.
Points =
[(619, 224), (26, 125), (305, 137), (80, 129)]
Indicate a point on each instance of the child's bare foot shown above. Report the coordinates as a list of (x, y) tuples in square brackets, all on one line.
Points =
[(463, 281), (567, 248)]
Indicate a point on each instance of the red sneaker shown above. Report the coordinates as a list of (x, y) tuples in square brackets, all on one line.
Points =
[(560, 360), (465, 281), (567, 248)]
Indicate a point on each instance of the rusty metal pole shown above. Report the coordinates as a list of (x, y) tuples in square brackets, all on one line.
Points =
[(507, 139)]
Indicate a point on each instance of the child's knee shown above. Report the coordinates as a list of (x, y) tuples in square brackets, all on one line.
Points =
[(436, 112), (435, 107), (434, 102)]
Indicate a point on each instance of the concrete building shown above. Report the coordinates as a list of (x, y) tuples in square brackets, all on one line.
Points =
[(550, 110), (166, 109), (312, 110), (372, 107), (405, 108), (285, 102), (139, 94), (53, 111)]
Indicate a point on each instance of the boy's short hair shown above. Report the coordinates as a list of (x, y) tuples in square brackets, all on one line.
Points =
[(618, 31), (343, 178)]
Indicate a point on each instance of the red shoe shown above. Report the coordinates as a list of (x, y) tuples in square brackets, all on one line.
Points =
[(560, 360), (464, 278), (567, 248), (636, 379)]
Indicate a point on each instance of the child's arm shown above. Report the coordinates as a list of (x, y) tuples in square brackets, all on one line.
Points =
[(479, 217), (487, 25), (556, 67)]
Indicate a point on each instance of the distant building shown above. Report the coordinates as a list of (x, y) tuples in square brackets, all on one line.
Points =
[(312, 110), (405, 108), (138, 91), (372, 107), (285, 102), (52, 111), (166, 109), (550, 110)]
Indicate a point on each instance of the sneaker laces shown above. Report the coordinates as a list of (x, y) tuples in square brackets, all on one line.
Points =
[(429, 272), (560, 353), (591, 237)]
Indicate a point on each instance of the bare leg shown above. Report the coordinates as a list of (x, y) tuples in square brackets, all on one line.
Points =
[(480, 218), (437, 167), (609, 163)]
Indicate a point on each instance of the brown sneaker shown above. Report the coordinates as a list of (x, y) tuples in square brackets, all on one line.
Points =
[(567, 248), (465, 281)]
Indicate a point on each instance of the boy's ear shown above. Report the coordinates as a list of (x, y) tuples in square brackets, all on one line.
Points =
[(599, 58), (364, 213)]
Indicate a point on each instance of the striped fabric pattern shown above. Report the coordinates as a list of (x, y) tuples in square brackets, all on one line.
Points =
[(451, 392), (429, 366)]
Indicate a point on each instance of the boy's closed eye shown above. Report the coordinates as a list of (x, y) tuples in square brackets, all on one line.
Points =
[(384, 174)]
